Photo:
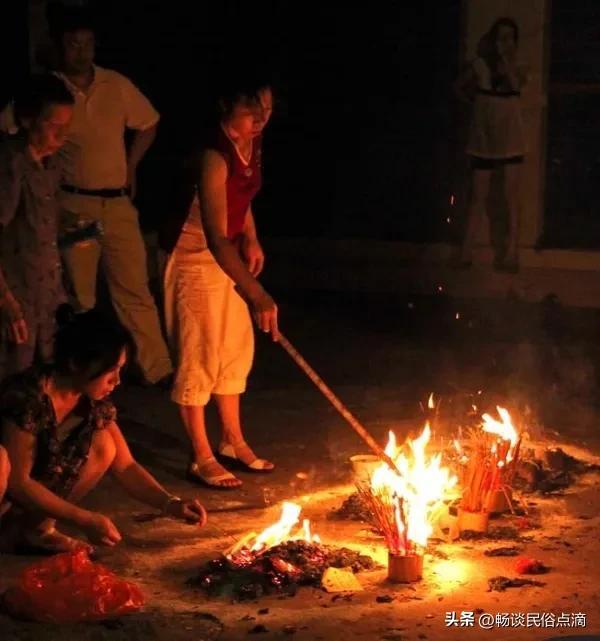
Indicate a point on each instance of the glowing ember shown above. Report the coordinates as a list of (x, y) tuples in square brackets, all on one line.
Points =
[(416, 494), (278, 532)]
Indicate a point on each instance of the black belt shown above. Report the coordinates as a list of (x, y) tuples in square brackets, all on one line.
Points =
[(99, 193), (498, 94)]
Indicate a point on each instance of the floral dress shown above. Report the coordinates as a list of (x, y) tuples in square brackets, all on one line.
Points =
[(29, 255), (60, 454)]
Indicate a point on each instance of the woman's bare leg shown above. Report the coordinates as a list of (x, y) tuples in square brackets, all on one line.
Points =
[(100, 459), (195, 426), (228, 406), (476, 213), (512, 187), (39, 530)]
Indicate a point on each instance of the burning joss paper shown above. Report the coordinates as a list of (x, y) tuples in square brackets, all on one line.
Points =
[(280, 558), (278, 532)]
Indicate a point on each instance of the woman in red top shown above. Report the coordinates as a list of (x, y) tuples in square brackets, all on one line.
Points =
[(211, 282)]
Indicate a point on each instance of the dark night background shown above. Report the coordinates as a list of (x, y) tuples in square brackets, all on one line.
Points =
[(572, 216), (363, 115), (366, 141)]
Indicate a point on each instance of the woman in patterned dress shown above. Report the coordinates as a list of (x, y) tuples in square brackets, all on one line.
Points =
[(60, 431), (31, 284)]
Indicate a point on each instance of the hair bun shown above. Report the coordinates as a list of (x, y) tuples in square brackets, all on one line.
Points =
[(65, 315)]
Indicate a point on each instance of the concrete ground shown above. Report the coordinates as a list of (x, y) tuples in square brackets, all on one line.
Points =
[(382, 357)]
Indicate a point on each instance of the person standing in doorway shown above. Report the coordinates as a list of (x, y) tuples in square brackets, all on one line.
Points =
[(98, 188), (493, 83)]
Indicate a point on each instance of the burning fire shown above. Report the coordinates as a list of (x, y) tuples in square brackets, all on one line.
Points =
[(504, 429), (278, 532), (489, 467), (417, 492)]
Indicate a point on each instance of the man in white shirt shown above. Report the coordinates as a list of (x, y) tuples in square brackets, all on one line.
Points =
[(99, 183)]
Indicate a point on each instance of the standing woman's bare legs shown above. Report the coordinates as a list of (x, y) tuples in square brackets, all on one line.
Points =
[(512, 187), (476, 214), (205, 465), (229, 413)]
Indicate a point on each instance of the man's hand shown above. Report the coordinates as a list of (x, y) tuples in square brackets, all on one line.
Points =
[(253, 255)]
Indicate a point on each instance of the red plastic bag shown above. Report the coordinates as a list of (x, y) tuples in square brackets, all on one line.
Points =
[(69, 588)]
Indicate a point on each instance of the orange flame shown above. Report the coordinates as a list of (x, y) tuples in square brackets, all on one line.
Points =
[(422, 484), (307, 535), (459, 449), (277, 533), (504, 429)]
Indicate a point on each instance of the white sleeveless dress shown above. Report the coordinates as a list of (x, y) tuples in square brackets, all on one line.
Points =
[(496, 131)]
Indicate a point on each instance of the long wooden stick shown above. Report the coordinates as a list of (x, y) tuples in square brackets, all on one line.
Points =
[(335, 401)]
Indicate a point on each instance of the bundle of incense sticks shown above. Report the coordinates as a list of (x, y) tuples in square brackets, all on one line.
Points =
[(486, 468), (388, 516)]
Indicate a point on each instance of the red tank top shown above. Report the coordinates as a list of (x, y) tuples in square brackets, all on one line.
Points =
[(243, 181)]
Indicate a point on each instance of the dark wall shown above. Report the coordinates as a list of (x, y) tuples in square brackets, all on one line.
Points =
[(572, 217), (362, 141), (14, 47)]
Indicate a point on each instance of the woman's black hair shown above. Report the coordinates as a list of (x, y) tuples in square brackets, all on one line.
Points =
[(37, 94), (503, 22), (488, 46), (226, 85), (87, 344), (236, 86)]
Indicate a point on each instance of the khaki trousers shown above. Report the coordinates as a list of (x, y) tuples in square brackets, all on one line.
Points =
[(122, 254)]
